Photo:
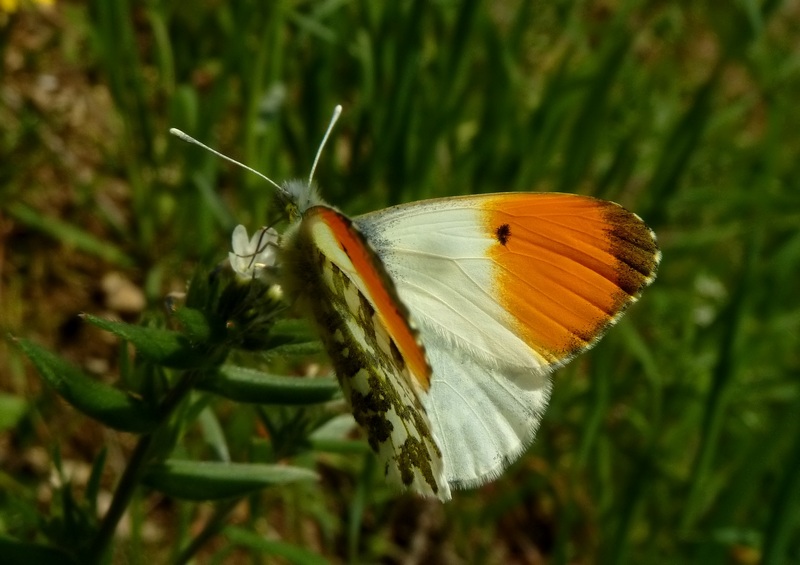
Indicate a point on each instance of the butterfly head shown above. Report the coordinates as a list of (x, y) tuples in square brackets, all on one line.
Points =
[(296, 196)]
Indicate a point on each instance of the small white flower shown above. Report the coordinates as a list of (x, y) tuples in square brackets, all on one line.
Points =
[(251, 256)]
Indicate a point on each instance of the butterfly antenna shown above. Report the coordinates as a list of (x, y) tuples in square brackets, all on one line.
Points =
[(189, 139), (337, 111)]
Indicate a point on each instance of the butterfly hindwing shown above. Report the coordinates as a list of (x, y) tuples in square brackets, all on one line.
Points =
[(483, 416)]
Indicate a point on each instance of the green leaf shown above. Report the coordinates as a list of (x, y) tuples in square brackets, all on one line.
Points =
[(292, 553), (14, 551), (302, 350), (213, 434), (354, 446), (252, 386), (293, 338), (332, 436), (291, 331), (113, 407), (194, 323), (12, 409), (165, 347), (207, 480)]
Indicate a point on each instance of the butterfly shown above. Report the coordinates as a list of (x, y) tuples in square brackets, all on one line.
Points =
[(444, 318)]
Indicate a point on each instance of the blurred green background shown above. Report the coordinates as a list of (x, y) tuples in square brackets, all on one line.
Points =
[(674, 440)]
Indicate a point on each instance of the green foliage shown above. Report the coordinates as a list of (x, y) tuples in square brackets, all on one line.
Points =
[(111, 406), (198, 350), (210, 480), (675, 440), (12, 409), (243, 384), (19, 552), (240, 537)]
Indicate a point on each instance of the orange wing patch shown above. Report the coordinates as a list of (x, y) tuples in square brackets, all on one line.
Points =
[(566, 266)]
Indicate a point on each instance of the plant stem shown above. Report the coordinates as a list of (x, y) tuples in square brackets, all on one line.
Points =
[(125, 489), (133, 472), (212, 527)]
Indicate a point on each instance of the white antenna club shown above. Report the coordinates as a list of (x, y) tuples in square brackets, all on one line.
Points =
[(337, 111)]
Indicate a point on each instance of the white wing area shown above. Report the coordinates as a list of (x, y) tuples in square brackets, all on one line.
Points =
[(482, 419), (489, 388)]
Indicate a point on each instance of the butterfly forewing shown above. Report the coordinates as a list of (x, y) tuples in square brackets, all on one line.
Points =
[(505, 288), (333, 274)]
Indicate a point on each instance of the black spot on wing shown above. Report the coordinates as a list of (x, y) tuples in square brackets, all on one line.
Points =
[(503, 233)]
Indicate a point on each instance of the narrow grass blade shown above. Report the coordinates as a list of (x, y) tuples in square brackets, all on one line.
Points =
[(69, 235)]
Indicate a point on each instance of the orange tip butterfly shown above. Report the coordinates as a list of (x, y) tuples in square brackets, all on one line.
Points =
[(444, 318)]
